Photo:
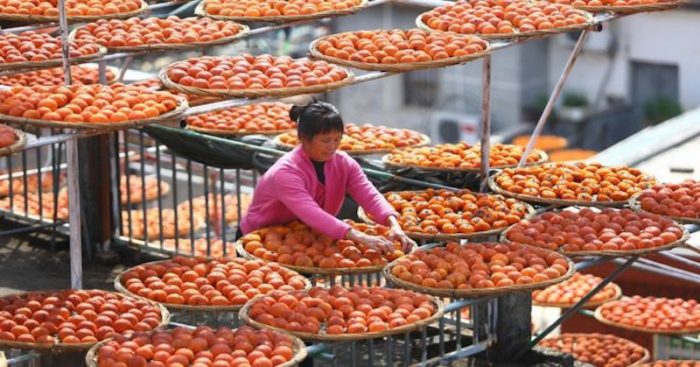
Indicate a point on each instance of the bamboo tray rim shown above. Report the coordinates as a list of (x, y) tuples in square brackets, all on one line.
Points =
[(628, 9), (599, 316), (646, 357), (243, 31), (252, 93), (614, 253), (73, 18), (58, 348), (20, 67), (476, 292), (121, 288), (637, 207), (589, 304), (17, 146), (440, 236), (201, 11), (664, 361), (168, 116), (439, 311), (425, 140), (398, 67), (542, 158), (517, 34), (298, 347), (558, 202)]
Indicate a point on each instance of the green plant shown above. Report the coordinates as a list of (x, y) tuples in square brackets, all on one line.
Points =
[(574, 100), (661, 109)]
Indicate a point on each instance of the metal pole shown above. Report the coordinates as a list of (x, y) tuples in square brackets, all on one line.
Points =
[(554, 96), (485, 122)]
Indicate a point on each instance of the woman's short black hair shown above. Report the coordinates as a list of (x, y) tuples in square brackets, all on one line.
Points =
[(316, 118)]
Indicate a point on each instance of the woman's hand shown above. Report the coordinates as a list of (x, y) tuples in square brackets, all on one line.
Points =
[(396, 233), (378, 243)]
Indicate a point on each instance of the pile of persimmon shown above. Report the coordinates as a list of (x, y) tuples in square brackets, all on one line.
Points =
[(680, 200), (271, 8), (216, 207), (199, 347), (132, 190), (32, 182), (253, 72), (366, 138), (653, 314), (611, 3), (338, 310), (199, 247), (673, 363), (592, 230), (34, 47), (464, 212), (399, 46), (150, 225), (250, 119), (136, 32), (502, 17), (73, 7), (547, 143), (8, 136), (480, 265), (152, 83), (201, 282), (298, 245), (584, 182), (36, 205), (97, 104), (156, 84), (73, 316), (54, 76), (573, 290), (600, 350), (460, 156)]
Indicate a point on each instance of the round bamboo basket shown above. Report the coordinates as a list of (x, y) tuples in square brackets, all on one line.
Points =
[(589, 304), (60, 348), (299, 349), (555, 202), (176, 307), (599, 316), (252, 93), (72, 18), (166, 117), (517, 34), (34, 65), (243, 31), (636, 206), (201, 11), (631, 9), (542, 158), (474, 292), (17, 146), (646, 357), (439, 311), (226, 132), (425, 140), (399, 67)]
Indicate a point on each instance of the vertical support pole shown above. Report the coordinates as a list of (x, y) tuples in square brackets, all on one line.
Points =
[(485, 122), (554, 96)]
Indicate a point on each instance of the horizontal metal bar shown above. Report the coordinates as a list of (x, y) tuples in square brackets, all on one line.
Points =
[(23, 358), (592, 262), (655, 270), (460, 354), (684, 260), (671, 269), (456, 305), (33, 228)]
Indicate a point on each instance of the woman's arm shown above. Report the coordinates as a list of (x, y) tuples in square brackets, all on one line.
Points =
[(366, 195)]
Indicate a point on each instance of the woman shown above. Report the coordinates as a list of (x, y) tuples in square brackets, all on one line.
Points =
[(310, 182)]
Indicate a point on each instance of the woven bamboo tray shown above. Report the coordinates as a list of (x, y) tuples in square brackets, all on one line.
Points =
[(298, 348), (399, 67), (474, 292), (646, 357), (34, 65), (630, 9), (517, 35), (252, 93), (425, 140), (167, 117), (243, 31), (59, 348), (542, 158), (16, 146), (599, 316), (171, 306), (226, 132), (636, 206), (555, 202), (589, 304), (201, 11), (439, 311), (72, 18)]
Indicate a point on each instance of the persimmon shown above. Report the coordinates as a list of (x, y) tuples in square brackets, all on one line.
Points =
[(250, 119), (35, 47), (573, 290), (654, 314), (269, 8), (460, 156), (681, 200), (600, 350), (54, 76)]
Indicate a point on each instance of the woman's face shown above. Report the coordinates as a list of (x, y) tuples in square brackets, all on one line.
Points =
[(321, 147)]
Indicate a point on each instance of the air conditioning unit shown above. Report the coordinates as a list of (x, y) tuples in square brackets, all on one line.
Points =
[(450, 127)]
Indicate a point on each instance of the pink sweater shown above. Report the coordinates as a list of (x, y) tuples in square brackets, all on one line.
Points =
[(291, 190)]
